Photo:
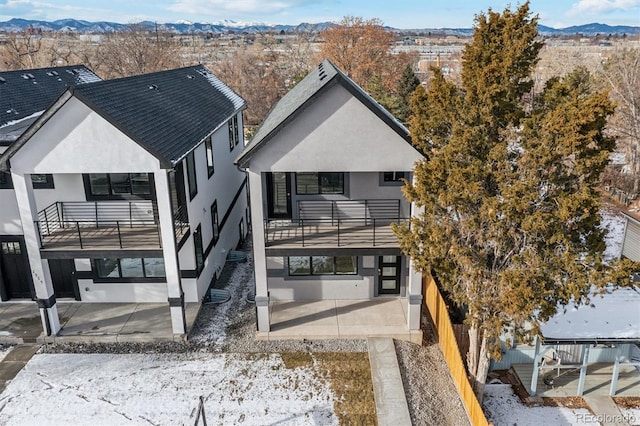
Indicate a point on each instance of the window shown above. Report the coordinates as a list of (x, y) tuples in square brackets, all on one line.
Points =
[(42, 181), (234, 133), (209, 147), (191, 175), (11, 247), (5, 180), (132, 269), (393, 176), (214, 222), (116, 185), (319, 183), (199, 252), (323, 265)]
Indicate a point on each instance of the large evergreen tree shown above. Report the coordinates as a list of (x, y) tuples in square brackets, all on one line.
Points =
[(509, 219), (407, 84)]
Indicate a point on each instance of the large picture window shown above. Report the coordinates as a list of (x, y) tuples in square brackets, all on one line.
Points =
[(323, 265), (118, 185), (133, 269), (191, 175), (319, 183)]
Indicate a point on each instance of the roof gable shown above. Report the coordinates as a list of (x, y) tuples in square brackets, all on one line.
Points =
[(301, 96)]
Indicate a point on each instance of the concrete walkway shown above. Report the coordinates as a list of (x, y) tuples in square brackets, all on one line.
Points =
[(15, 361), (605, 410), (391, 402)]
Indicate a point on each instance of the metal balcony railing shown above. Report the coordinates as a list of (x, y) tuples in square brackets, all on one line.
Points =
[(99, 224), (345, 223)]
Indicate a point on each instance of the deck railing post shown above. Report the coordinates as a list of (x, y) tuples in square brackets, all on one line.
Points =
[(338, 232), (95, 206), (46, 221), (130, 216), (159, 236), (119, 236), (374, 231), (79, 234), (302, 228), (333, 208), (366, 204)]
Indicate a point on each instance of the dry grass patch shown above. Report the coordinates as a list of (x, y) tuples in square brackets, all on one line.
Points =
[(627, 402), (349, 375)]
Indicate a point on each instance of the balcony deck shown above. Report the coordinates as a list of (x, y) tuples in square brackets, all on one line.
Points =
[(102, 238), (287, 234)]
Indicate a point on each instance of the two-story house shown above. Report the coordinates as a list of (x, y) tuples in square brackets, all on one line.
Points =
[(325, 172), (24, 96), (144, 201)]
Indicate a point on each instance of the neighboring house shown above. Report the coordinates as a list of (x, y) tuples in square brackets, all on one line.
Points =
[(325, 172), (144, 201), (24, 96), (631, 240)]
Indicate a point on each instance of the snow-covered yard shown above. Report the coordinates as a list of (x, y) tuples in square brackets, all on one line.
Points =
[(164, 389)]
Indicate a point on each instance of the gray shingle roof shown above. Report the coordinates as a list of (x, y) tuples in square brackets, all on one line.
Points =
[(168, 113), (303, 94), (25, 94)]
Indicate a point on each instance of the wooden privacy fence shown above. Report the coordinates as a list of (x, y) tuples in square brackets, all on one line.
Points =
[(437, 309)]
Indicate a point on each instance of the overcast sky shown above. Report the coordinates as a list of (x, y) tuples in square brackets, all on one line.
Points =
[(396, 13)]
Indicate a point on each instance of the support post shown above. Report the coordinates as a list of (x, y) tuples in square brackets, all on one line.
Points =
[(616, 371), (259, 255), (170, 254), (533, 388), (583, 369), (43, 286)]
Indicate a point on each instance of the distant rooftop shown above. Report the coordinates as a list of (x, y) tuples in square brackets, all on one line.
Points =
[(25, 94)]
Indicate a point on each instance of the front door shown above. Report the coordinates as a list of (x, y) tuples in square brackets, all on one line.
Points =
[(279, 195), (63, 278), (389, 274), (15, 273)]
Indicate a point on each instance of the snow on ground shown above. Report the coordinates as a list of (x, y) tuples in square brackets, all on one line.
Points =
[(613, 222), (503, 408), (99, 389), (4, 350)]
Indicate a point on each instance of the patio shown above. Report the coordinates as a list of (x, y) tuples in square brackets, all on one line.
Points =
[(597, 380), (339, 319), (93, 322)]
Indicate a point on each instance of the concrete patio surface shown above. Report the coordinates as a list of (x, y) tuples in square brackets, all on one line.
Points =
[(93, 322), (605, 410), (340, 319)]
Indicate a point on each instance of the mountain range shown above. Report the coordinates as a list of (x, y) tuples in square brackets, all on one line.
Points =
[(227, 26)]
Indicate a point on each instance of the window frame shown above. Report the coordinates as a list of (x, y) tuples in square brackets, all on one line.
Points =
[(86, 177), (215, 222), (120, 279), (198, 246), (208, 146), (192, 176), (46, 184), (332, 274), (6, 182), (396, 178), (319, 176)]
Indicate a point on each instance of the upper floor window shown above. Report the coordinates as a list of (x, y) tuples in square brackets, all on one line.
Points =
[(234, 132), (209, 148), (215, 224), (198, 248), (5, 180), (118, 185), (319, 183), (191, 175), (393, 178), (39, 181)]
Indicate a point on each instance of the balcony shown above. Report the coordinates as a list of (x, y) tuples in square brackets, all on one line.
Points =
[(345, 224), (104, 225)]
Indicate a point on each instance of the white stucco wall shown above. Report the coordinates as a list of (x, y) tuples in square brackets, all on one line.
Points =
[(9, 215), (336, 133)]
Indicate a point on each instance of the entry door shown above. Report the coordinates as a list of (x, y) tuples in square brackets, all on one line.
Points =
[(279, 195), (63, 277), (389, 274), (15, 274)]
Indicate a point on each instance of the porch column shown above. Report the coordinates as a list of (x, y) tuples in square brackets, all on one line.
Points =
[(414, 297), (616, 370), (259, 255), (43, 286), (533, 388), (170, 253), (583, 369)]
